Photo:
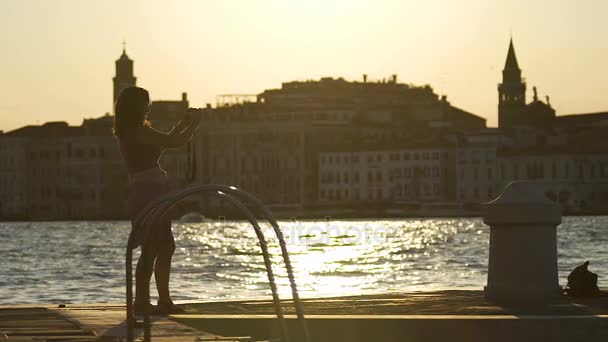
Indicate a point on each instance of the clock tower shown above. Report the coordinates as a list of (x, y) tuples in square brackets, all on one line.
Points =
[(511, 93), (124, 74)]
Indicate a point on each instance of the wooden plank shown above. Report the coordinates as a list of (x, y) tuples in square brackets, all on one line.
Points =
[(46, 332), (39, 324), (110, 323), (92, 322)]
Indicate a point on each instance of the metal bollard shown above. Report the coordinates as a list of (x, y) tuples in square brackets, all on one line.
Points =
[(522, 267)]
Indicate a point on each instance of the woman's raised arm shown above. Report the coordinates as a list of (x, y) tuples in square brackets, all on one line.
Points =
[(151, 136)]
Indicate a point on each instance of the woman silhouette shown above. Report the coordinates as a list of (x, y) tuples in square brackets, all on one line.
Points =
[(141, 146)]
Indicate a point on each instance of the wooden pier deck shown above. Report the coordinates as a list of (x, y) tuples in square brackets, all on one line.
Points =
[(93, 322), (457, 315)]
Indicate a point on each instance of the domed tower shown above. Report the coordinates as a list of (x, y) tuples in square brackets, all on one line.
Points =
[(124, 74), (511, 92)]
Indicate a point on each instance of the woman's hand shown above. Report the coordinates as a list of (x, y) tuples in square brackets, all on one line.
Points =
[(179, 135)]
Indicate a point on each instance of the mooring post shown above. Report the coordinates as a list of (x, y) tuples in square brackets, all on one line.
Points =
[(522, 266)]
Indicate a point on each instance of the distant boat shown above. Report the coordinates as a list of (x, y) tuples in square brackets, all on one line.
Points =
[(193, 216)]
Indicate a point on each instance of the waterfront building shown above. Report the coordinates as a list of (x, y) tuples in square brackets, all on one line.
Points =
[(574, 174), (320, 143), (475, 165), (63, 172), (275, 160), (415, 173), (272, 146), (566, 152), (56, 171), (13, 177)]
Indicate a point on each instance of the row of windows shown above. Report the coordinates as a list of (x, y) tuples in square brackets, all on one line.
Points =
[(46, 192), (77, 153), (399, 191), (346, 194), (377, 176), (71, 172), (378, 157), (337, 177), (418, 189), (338, 159), (474, 156), (339, 194), (257, 164), (417, 156), (537, 171), (408, 172), (475, 174)]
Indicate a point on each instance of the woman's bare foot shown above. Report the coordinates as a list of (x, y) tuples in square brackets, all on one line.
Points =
[(166, 308)]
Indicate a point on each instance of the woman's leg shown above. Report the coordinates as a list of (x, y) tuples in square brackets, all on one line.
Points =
[(162, 269), (143, 273)]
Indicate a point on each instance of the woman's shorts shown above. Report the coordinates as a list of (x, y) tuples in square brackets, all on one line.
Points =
[(140, 193)]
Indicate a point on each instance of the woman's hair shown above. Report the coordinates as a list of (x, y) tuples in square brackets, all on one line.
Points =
[(130, 110)]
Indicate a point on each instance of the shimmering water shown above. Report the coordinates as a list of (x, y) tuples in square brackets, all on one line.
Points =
[(67, 262)]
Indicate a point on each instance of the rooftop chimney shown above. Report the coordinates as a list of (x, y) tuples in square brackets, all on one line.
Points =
[(394, 78), (184, 97), (364, 78)]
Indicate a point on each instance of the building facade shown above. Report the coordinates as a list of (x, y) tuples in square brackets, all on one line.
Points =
[(272, 146), (14, 177), (577, 180), (407, 174), (321, 144), (63, 172)]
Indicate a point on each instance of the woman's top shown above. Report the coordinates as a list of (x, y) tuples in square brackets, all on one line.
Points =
[(138, 156)]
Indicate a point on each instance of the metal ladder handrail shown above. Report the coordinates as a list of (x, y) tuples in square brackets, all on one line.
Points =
[(159, 207), (268, 216), (286, 260), (165, 203)]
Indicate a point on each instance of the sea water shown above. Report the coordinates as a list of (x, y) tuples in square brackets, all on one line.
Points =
[(78, 262)]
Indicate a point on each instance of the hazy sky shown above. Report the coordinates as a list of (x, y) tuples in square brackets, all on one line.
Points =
[(58, 56)]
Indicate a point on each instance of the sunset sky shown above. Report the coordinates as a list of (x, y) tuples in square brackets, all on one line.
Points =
[(58, 56)]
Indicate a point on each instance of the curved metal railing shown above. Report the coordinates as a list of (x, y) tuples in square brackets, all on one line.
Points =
[(160, 206)]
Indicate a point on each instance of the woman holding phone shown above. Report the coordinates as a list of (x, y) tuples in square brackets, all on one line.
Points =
[(141, 146)]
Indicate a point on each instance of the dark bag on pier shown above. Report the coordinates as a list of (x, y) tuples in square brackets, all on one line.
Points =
[(582, 282)]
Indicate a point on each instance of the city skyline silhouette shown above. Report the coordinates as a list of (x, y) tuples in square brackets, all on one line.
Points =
[(303, 170), (211, 48)]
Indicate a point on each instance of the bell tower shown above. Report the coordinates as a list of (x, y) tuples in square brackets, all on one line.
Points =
[(124, 74), (511, 92)]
